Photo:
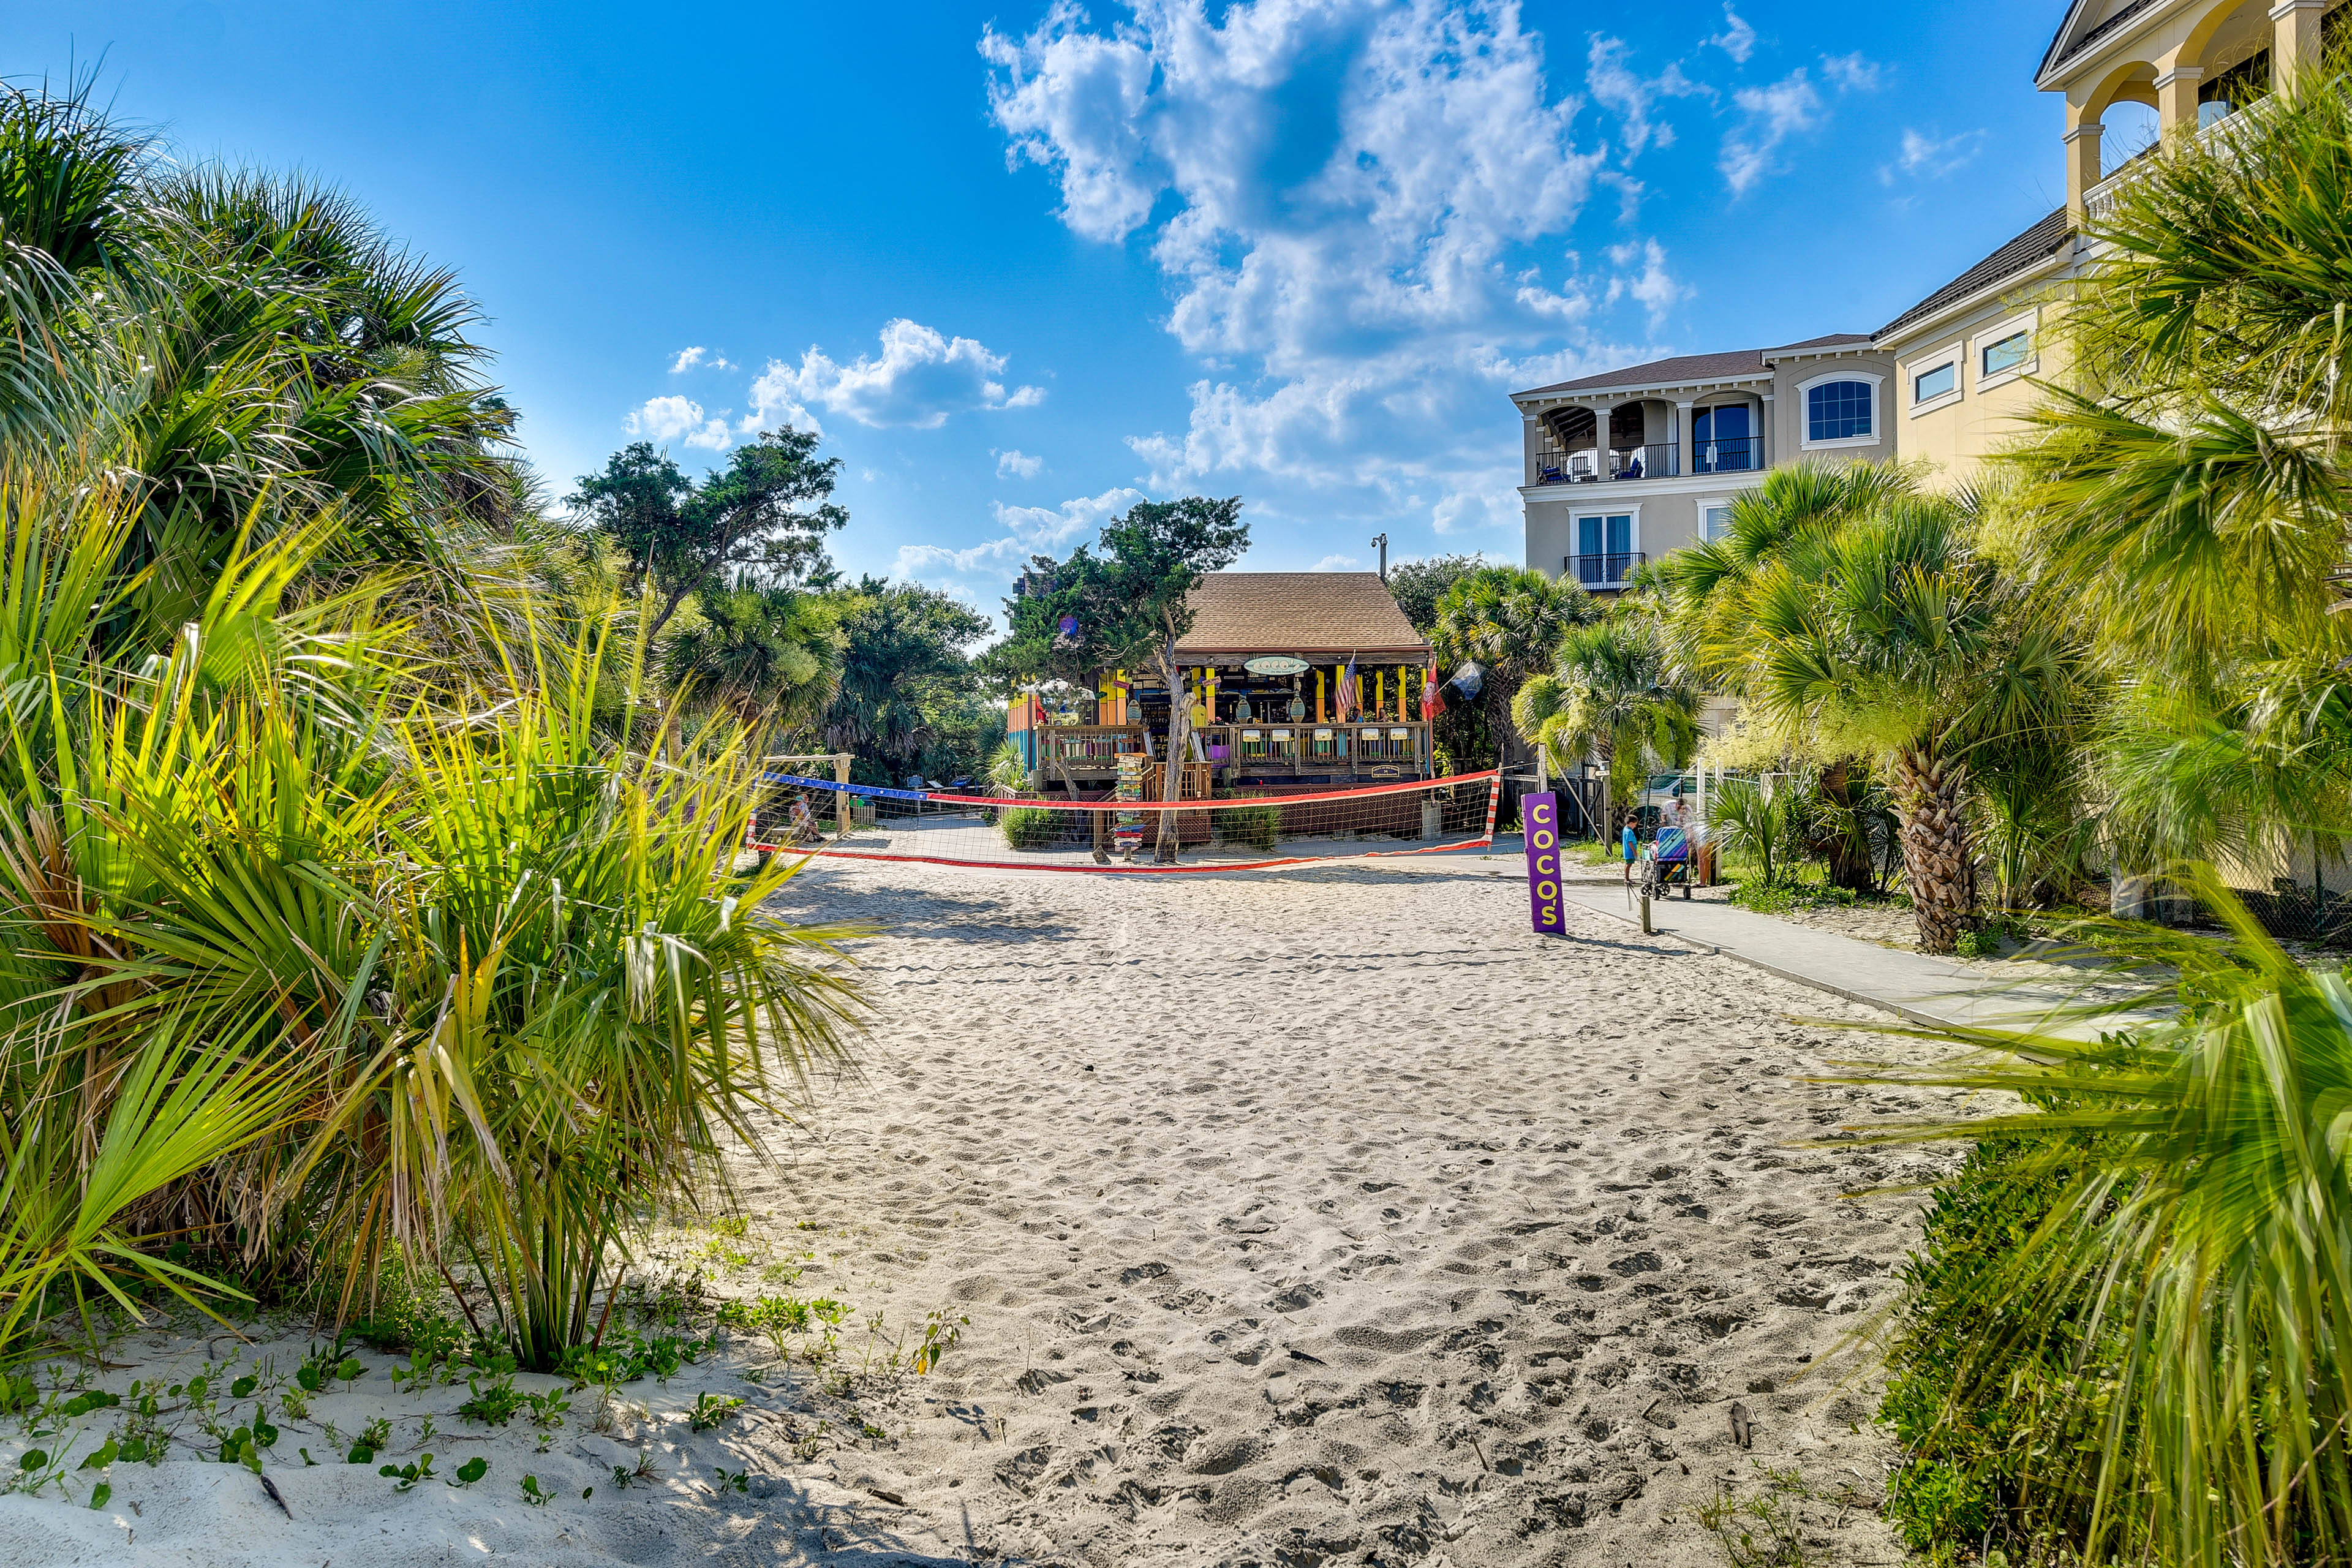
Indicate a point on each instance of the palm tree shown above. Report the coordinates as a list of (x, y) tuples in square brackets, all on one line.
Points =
[(1508, 620), (1609, 693), (2190, 498), (1896, 635), (1706, 594), (904, 658), (769, 655)]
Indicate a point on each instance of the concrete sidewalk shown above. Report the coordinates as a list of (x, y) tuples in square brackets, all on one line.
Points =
[(1937, 992)]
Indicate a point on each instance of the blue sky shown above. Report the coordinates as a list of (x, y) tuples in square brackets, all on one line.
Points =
[(1024, 262)]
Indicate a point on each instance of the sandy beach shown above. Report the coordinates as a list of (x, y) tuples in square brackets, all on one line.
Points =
[(1319, 1217)]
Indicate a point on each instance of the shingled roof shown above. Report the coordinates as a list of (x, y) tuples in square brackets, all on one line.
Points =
[(1304, 613), (1691, 369), (2021, 255)]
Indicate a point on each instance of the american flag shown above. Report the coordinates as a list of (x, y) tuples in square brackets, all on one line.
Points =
[(1347, 704)]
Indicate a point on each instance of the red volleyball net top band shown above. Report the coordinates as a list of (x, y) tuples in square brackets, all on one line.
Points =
[(1247, 829)]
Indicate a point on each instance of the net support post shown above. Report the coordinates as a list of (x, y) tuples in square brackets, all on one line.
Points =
[(841, 795)]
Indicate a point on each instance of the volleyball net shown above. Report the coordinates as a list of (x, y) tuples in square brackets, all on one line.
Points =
[(1245, 830)]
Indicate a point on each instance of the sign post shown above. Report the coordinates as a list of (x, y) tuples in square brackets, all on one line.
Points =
[(1539, 816)]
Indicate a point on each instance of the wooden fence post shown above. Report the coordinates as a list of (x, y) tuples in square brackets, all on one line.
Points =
[(841, 777)]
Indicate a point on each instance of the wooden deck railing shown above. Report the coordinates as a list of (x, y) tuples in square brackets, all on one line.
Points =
[(1310, 748)]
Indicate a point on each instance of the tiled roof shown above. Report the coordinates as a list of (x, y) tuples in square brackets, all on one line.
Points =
[(2029, 249), (1690, 369), (1302, 613)]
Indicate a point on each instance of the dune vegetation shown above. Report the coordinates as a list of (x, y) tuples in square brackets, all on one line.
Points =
[(367, 864)]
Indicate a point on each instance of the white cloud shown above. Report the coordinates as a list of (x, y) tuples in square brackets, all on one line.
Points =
[(1349, 201), (1737, 39), (698, 357), (920, 379), (1025, 531), (675, 418), (1339, 563), (1850, 73), (1632, 95), (775, 403), (1932, 157), (1017, 464), (1652, 287), (1774, 114)]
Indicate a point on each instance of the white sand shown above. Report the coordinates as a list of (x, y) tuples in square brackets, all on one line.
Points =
[(1310, 1218)]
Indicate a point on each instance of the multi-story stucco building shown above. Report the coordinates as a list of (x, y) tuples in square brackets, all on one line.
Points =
[(1639, 461), (1631, 463)]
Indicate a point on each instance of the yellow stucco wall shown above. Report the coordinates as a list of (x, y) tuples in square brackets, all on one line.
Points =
[(1953, 434)]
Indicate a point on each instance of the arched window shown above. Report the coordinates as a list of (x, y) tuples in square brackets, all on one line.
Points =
[(1838, 411)]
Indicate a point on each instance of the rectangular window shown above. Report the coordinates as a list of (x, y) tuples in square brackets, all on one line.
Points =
[(1604, 548), (1838, 411), (1931, 384), (2008, 354), (1714, 522)]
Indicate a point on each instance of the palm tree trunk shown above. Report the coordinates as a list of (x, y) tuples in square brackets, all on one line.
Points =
[(1936, 852), (1849, 853)]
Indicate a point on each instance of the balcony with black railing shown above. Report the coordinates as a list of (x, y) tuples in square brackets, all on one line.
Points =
[(1609, 571), (1592, 465), (1732, 455)]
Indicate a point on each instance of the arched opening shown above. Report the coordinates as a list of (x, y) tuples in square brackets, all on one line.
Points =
[(2126, 130), (2235, 58)]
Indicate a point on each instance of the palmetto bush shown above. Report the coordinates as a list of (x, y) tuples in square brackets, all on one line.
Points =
[(446, 970), (2166, 1352), (1746, 818)]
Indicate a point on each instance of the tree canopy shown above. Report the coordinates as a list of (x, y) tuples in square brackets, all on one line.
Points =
[(766, 513), (1417, 585), (1122, 603)]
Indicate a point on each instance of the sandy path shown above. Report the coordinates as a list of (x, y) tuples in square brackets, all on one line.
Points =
[(1333, 1217), (1302, 1219)]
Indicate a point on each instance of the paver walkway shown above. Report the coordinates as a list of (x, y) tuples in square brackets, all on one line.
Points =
[(1940, 993)]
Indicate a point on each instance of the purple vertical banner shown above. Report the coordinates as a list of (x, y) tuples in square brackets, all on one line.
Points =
[(1539, 816)]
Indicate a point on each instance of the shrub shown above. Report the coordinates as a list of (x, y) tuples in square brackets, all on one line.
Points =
[(2157, 1371), (1746, 819), (1259, 826), (1030, 827), (1968, 1462)]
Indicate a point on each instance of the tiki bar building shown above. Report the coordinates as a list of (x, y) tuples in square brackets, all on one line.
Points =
[(1295, 681)]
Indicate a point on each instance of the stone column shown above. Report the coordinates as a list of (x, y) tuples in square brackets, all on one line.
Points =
[(1531, 438), (2082, 163), (1685, 446), (2294, 36), (1767, 441), (2176, 99)]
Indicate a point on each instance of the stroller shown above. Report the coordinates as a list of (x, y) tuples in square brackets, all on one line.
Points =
[(1668, 864)]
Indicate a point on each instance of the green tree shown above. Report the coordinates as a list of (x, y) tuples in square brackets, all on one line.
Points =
[(1417, 585), (2161, 1334), (1895, 636), (2189, 496), (767, 512), (1126, 607), (903, 673), (1609, 693), (771, 655), (1508, 620), (1706, 593)]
